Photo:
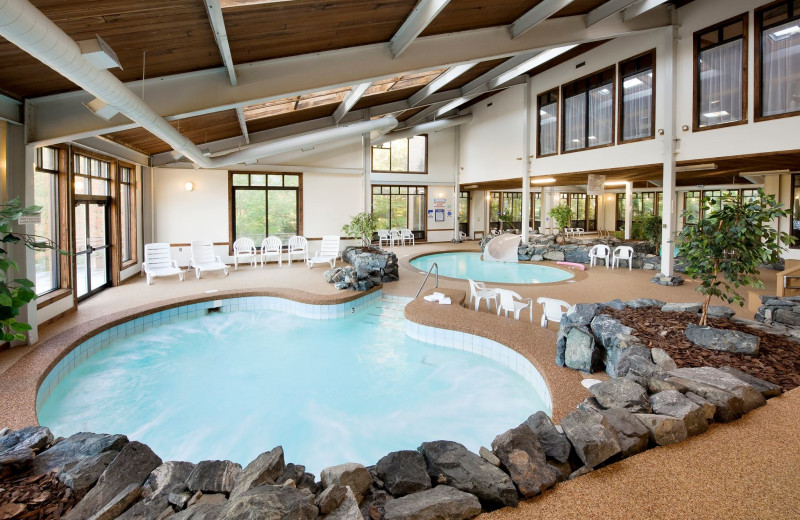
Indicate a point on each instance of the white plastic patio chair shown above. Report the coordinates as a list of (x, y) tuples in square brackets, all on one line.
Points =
[(478, 291), (383, 236), (599, 251), (328, 252), (298, 246), (204, 259), (394, 236), (406, 234), (511, 301), (271, 247), (244, 249), (462, 236), (624, 253), (552, 309), (158, 262)]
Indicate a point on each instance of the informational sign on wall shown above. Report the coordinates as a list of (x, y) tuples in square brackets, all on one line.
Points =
[(596, 184), (439, 203), (439, 215), (30, 219)]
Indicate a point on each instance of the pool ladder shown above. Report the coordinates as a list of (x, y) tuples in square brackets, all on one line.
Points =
[(436, 279)]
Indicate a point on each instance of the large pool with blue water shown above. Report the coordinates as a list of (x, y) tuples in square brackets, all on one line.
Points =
[(232, 385), (465, 265)]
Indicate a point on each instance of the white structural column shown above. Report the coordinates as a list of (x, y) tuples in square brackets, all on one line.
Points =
[(668, 215), (628, 209), (366, 156), (456, 186), (526, 151)]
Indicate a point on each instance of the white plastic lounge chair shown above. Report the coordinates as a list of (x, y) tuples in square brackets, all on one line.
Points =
[(298, 246), (158, 262), (600, 251), (383, 236), (478, 291), (328, 252), (244, 249), (271, 247), (624, 253), (552, 309), (204, 259), (511, 301), (406, 234), (394, 236)]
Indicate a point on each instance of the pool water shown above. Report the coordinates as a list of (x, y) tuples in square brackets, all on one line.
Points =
[(233, 385), (465, 265)]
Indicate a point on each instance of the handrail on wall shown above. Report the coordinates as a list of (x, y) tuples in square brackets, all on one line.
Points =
[(436, 279)]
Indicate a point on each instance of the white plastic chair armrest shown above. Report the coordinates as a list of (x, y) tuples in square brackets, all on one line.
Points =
[(175, 264), (218, 259)]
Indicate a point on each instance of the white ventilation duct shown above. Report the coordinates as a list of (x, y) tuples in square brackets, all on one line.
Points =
[(30, 30), (433, 126)]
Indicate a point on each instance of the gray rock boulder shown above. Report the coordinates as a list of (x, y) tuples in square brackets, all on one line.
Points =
[(615, 304), (708, 409), (403, 472), (169, 477), (720, 311), (523, 458), (199, 512), (554, 256), (662, 359), (766, 388), (81, 475), (487, 455), (621, 393), (581, 353), (347, 509), (591, 435), (664, 429), (214, 476), (439, 503), (450, 463), (727, 406), (265, 469), (640, 303), (636, 364), (15, 461), (694, 308), (724, 340), (675, 404), (751, 398), (553, 442), (582, 314), (132, 465), (632, 436), (331, 497), (117, 505), (35, 438), (77, 447), (607, 330), (279, 502), (351, 474)]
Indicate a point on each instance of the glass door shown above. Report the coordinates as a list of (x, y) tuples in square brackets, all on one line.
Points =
[(92, 247)]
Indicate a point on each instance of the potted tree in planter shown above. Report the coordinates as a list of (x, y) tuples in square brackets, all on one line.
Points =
[(725, 249), (562, 214), (362, 225)]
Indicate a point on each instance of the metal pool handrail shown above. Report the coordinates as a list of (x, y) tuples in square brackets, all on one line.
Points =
[(436, 279)]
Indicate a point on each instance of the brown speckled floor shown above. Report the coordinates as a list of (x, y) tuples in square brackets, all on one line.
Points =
[(746, 469)]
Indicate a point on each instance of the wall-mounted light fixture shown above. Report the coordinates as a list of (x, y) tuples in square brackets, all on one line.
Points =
[(660, 131), (542, 180), (189, 186), (685, 128), (440, 195)]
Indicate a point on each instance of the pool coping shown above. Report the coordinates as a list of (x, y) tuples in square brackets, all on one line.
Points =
[(577, 275)]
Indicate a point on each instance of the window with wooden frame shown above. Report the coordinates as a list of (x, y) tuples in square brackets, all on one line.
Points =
[(45, 189), (795, 231), (720, 74), (406, 155), (127, 214), (463, 211), (547, 105), (637, 98), (400, 207), (536, 210), (588, 112), (265, 204), (778, 60), (584, 210), (642, 203), (506, 203)]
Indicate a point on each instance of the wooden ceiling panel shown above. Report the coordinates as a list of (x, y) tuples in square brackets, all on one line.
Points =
[(200, 130), (474, 73), (409, 113), (176, 36), (579, 7), (464, 15), (386, 97), (261, 32), (290, 118)]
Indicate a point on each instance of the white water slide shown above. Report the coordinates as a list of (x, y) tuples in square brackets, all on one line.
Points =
[(503, 248)]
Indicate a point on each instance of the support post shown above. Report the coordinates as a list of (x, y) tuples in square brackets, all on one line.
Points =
[(526, 151), (456, 191), (628, 209), (668, 190), (365, 160)]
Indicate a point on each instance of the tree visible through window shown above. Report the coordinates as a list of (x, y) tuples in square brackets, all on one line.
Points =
[(265, 205), (399, 207), (407, 155), (127, 213), (45, 188)]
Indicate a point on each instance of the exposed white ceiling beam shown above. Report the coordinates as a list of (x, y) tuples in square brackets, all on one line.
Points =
[(242, 124), (536, 15), (641, 7), (440, 81), (481, 84), (434, 126), (62, 117), (422, 15), (527, 65), (350, 100), (608, 9), (218, 27), (10, 110)]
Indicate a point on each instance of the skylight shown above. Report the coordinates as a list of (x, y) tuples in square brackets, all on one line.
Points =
[(632, 82)]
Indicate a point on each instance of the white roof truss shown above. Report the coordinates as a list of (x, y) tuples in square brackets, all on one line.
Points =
[(536, 15), (607, 10), (422, 15), (218, 26), (350, 100)]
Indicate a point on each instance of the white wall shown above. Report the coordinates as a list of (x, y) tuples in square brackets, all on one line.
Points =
[(329, 201)]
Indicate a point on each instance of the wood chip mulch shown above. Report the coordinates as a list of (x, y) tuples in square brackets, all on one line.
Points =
[(778, 360), (39, 496)]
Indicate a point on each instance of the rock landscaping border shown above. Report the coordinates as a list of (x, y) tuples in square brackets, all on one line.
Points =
[(367, 269)]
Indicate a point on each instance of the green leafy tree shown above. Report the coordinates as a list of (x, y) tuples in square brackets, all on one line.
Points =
[(362, 225), (647, 227), (725, 249), (505, 218), (16, 292), (562, 214)]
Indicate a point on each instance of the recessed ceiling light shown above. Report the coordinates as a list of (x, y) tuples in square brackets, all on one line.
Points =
[(716, 114), (632, 82), (542, 180)]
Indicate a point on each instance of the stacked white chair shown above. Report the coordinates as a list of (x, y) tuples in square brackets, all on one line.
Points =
[(383, 236), (158, 262), (298, 246), (513, 302), (599, 252), (478, 291), (271, 247), (244, 249), (552, 309), (624, 253), (406, 234)]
